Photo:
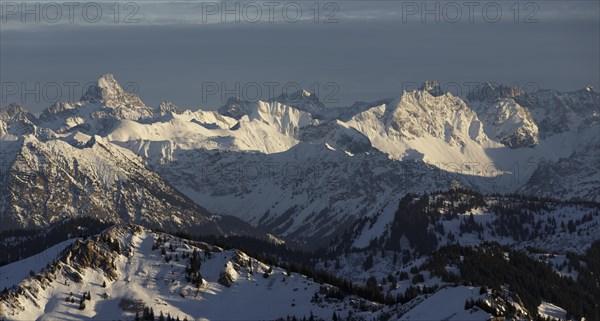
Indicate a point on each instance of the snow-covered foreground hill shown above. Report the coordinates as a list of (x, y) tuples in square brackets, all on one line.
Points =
[(128, 268), (124, 279)]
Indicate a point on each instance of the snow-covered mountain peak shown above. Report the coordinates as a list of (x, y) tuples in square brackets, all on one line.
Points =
[(557, 112), (108, 81), (298, 102), (418, 112), (109, 92), (106, 87), (273, 117), (419, 125), (99, 109)]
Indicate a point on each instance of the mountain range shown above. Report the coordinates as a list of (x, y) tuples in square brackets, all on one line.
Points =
[(290, 166)]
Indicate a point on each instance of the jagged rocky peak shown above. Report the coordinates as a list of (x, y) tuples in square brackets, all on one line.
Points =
[(167, 107), (418, 114), (58, 110), (15, 115), (18, 121), (108, 91), (432, 87), (556, 112), (505, 119), (423, 97), (105, 87), (584, 99), (14, 119), (14, 111)]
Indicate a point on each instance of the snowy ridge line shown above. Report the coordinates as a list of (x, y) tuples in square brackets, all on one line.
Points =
[(127, 264)]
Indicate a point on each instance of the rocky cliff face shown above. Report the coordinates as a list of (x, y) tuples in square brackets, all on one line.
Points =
[(17, 121), (45, 182)]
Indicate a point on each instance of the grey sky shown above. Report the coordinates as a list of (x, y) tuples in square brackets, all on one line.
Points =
[(370, 53)]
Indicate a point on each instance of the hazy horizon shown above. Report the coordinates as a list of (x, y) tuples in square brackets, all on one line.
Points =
[(372, 50)]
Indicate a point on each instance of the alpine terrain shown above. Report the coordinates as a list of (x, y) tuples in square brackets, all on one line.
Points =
[(422, 206)]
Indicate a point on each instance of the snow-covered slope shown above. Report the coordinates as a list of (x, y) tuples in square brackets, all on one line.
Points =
[(575, 176), (552, 312), (264, 127), (442, 306), (308, 193), (126, 269)]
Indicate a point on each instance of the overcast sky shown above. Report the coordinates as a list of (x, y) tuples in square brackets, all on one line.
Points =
[(182, 52)]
